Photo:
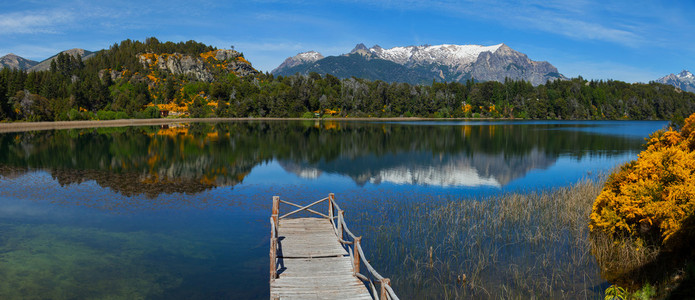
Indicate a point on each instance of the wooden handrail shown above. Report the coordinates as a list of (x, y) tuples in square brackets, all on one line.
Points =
[(340, 227), (304, 208), (359, 258)]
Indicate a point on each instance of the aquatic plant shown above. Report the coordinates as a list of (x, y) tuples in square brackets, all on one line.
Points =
[(515, 245)]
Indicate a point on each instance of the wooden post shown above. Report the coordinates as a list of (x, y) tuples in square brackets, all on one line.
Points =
[(341, 219), (274, 238), (331, 198), (384, 292), (273, 254), (356, 254), (276, 211)]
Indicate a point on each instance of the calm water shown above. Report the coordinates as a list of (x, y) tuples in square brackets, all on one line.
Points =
[(182, 211)]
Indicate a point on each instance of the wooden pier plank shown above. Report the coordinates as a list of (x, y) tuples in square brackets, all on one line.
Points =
[(308, 237), (312, 264)]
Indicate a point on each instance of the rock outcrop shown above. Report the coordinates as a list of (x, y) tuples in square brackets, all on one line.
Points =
[(199, 67)]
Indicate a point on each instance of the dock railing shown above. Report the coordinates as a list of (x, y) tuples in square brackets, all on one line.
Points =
[(350, 242)]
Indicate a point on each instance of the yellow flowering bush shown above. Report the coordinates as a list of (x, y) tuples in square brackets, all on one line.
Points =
[(653, 195)]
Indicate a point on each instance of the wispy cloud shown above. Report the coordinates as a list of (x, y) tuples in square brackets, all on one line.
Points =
[(626, 23), (31, 22)]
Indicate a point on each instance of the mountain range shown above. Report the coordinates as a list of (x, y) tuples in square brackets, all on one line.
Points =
[(684, 80), (13, 61), (423, 64), (412, 64)]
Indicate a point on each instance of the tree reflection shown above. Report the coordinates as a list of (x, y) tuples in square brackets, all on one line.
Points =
[(190, 158)]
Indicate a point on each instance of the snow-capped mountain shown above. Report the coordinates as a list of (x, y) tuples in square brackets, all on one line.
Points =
[(301, 58), (447, 55), (684, 80), (422, 64)]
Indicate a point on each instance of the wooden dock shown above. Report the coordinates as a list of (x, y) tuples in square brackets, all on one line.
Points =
[(319, 258)]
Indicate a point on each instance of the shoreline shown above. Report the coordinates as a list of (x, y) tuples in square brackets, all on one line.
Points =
[(50, 125), (23, 126)]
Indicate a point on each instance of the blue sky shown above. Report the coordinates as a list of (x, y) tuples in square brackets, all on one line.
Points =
[(624, 40)]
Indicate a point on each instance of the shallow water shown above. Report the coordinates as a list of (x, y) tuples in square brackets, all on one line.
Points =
[(182, 211)]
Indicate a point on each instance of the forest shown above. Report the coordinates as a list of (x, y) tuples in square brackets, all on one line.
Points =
[(73, 89)]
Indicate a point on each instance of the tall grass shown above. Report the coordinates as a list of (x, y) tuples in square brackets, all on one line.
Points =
[(516, 245)]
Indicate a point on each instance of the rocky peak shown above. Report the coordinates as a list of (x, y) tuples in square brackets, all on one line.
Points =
[(46, 64), (359, 47), (300, 58), (686, 74), (13, 61), (684, 80)]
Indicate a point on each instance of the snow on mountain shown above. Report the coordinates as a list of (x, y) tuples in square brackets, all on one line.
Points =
[(685, 80), (448, 55), (423, 64), (301, 58), (445, 177), (687, 76)]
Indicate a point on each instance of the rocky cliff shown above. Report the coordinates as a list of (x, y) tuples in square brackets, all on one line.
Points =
[(200, 67)]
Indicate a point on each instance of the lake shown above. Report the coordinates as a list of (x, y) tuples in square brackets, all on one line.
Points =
[(181, 211)]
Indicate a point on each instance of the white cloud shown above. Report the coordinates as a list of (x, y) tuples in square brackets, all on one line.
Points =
[(29, 22)]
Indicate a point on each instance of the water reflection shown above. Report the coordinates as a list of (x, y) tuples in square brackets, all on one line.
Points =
[(191, 158), (180, 212)]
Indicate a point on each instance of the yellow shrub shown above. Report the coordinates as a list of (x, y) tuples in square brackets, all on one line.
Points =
[(653, 195)]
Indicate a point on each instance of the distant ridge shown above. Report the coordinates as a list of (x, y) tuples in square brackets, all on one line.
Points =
[(13, 61), (423, 64), (683, 80), (46, 64)]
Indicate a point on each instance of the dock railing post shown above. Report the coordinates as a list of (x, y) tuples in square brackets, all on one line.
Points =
[(331, 198), (273, 256), (276, 210), (384, 292), (274, 238), (341, 219), (356, 253)]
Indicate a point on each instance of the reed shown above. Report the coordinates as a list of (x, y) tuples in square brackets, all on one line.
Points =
[(515, 245)]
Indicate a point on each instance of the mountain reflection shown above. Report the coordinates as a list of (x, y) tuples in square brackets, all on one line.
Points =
[(191, 158)]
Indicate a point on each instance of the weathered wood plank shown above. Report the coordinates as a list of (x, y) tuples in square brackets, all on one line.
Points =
[(312, 264), (308, 237)]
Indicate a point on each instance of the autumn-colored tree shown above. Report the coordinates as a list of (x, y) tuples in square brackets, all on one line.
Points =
[(651, 197)]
